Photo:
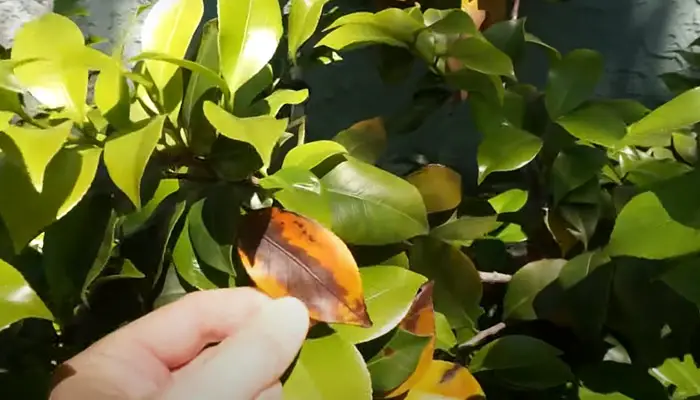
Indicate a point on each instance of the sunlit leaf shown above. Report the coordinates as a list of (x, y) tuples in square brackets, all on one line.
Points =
[(509, 201), (208, 57), (389, 292), (249, 32), (37, 147), (280, 98), (261, 132), (17, 299), (391, 26), (449, 21), (365, 140), (288, 255), (506, 148), (440, 187), (444, 337), (311, 154), (328, 368), (196, 68), (572, 80), (371, 206), (446, 381), (168, 29), (303, 20), (661, 122), (683, 374), (112, 97), (465, 229), (137, 146), (356, 35), (478, 54), (595, 124), (300, 191)]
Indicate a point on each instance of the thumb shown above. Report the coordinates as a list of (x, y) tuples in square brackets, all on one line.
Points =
[(250, 361)]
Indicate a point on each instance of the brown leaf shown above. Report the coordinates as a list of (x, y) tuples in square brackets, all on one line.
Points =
[(447, 381), (286, 254), (420, 320), (440, 186)]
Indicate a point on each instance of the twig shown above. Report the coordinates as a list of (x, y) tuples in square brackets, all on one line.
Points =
[(481, 336), (516, 9), (494, 277)]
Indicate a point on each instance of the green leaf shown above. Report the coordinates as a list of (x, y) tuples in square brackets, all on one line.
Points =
[(444, 337), (449, 22), (357, 35), (659, 224), (572, 80), (249, 32), (303, 20), (683, 278), (301, 192), (553, 53), (37, 147), (102, 257), (365, 140), (196, 68), (389, 292), (261, 132), (397, 361), (512, 233), (200, 83), (660, 123), (683, 374), (595, 124), (686, 145), (17, 299), (136, 220), (273, 103), (393, 22), (137, 146), (609, 380), (309, 155), (371, 206), (205, 246), (328, 368), (466, 229), (458, 289), (251, 90), (522, 361), (528, 288), (506, 148), (509, 201), (112, 97), (573, 167), (186, 263), (508, 36), (168, 29), (440, 187), (478, 54), (26, 212), (60, 79)]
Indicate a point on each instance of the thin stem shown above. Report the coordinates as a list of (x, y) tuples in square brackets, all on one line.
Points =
[(494, 277), (516, 9), (482, 336)]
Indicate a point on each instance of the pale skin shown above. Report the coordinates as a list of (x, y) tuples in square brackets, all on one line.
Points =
[(229, 344)]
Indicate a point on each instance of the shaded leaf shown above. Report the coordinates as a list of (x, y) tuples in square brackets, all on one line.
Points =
[(249, 32), (397, 361), (137, 145), (205, 246), (573, 167), (464, 230), (185, 260), (610, 380), (572, 80), (17, 299), (509, 201), (200, 83), (311, 154), (168, 29), (440, 187), (444, 337), (508, 36), (522, 361), (683, 278), (506, 148), (136, 220), (660, 123), (112, 97), (260, 132), (389, 292), (478, 54), (102, 255), (528, 286), (288, 255), (446, 381), (371, 206), (365, 140), (328, 368), (37, 147), (595, 124), (303, 20)]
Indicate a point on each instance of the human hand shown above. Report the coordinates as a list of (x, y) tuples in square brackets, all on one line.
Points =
[(163, 356)]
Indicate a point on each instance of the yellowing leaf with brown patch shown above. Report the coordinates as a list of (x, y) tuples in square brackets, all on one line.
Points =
[(286, 254), (420, 321), (446, 381)]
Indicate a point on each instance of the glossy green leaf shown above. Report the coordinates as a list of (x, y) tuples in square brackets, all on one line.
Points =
[(675, 114), (261, 132), (394, 22), (595, 124), (205, 246), (512, 233), (137, 146), (356, 35), (683, 374), (37, 147), (186, 263), (440, 187), (207, 57), (311, 154), (458, 289), (508, 36), (168, 29), (303, 20), (658, 224), (522, 361), (450, 22), (527, 285), (478, 54), (444, 337), (17, 299), (464, 230), (60, 80), (509, 201), (397, 361), (25, 211), (389, 292), (112, 97), (572, 80), (126, 271), (328, 368), (553, 53), (300, 191), (102, 256), (371, 206), (506, 148), (249, 32), (136, 220), (251, 90), (683, 278), (365, 140), (196, 68), (686, 145), (573, 167)]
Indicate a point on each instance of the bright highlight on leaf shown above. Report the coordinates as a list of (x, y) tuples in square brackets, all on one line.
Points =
[(17, 299), (288, 255), (446, 381)]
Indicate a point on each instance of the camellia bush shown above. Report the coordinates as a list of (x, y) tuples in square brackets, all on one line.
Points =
[(568, 270)]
